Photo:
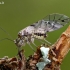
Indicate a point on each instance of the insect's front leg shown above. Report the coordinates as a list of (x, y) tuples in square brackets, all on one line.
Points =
[(31, 39), (28, 41), (30, 45), (47, 41), (19, 43), (39, 40)]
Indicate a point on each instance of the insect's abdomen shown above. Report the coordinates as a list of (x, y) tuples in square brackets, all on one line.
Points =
[(39, 35)]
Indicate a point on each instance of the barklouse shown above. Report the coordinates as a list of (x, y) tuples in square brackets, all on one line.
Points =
[(40, 29)]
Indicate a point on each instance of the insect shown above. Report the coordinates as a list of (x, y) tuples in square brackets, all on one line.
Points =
[(39, 30)]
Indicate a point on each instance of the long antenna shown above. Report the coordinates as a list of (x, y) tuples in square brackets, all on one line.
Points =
[(7, 33), (5, 39)]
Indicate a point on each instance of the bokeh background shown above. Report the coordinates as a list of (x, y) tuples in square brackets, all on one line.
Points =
[(17, 14)]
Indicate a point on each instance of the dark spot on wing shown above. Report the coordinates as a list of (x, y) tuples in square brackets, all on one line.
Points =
[(45, 22), (62, 20)]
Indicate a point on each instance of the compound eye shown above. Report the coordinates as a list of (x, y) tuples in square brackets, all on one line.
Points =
[(19, 35)]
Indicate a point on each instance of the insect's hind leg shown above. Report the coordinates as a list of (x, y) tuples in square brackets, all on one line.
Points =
[(40, 41), (47, 41), (31, 46), (32, 40)]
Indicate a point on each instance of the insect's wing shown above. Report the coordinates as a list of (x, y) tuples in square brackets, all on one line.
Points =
[(55, 21), (51, 22), (40, 26), (37, 24)]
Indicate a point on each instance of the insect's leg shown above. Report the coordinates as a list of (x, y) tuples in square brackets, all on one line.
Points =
[(6, 39), (31, 47), (34, 44), (47, 41), (32, 40), (40, 40), (28, 42)]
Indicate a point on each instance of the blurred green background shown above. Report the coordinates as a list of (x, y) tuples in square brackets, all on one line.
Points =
[(17, 14)]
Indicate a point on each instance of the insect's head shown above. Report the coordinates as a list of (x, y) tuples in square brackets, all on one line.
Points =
[(19, 34), (22, 33), (19, 42)]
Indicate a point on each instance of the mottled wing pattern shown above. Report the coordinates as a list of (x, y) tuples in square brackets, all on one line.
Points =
[(37, 24), (56, 21), (52, 22)]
